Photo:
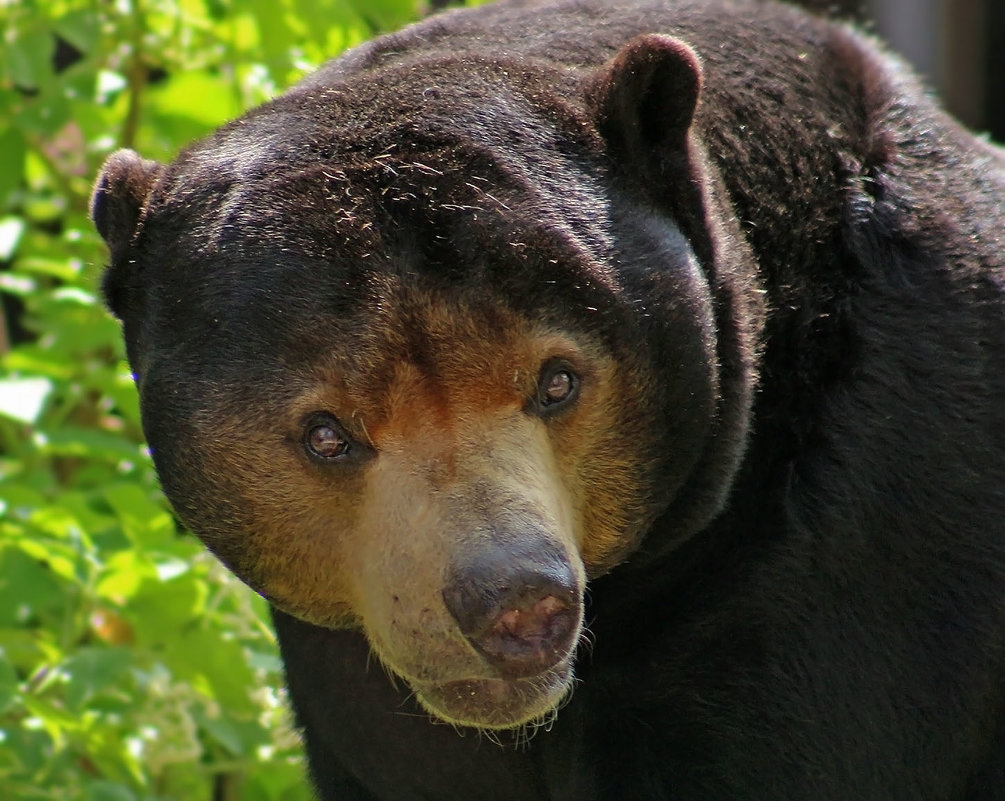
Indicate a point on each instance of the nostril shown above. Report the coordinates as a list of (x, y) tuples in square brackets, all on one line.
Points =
[(529, 623), (530, 639), (519, 605)]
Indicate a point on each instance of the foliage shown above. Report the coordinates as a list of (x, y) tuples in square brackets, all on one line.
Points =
[(131, 665)]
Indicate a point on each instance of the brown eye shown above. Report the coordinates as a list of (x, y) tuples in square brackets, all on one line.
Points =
[(325, 440), (558, 385)]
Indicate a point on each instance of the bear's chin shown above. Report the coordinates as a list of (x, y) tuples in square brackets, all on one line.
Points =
[(497, 703)]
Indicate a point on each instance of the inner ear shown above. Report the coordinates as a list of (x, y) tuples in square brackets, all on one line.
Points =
[(644, 100)]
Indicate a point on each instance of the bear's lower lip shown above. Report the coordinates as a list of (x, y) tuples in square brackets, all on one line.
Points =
[(496, 703)]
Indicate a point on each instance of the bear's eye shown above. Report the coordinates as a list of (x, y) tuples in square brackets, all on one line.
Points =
[(325, 439), (557, 386)]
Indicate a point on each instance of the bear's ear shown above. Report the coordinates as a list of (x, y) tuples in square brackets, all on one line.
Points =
[(119, 196), (644, 100), (117, 203)]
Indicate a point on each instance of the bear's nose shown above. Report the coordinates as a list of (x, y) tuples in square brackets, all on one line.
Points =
[(519, 606)]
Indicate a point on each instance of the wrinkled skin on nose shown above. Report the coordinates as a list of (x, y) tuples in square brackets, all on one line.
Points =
[(519, 606)]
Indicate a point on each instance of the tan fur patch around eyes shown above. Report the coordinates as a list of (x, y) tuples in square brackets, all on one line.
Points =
[(455, 423), (435, 366)]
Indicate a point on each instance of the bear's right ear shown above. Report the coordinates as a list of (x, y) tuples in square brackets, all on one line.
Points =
[(117, 204), (119, 196), (644, 101)]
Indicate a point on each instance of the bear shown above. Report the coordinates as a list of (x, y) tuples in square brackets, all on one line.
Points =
[(609, 399)]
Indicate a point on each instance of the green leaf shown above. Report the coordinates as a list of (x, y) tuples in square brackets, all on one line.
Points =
[(65, 268), (122, 390), (12, 158), (123, 574), (44, 116), (168, 610), (384, 15), (144, 518), (171, 109), (23, 399), (54, 556), (109, 84), (92, 671), (9, 683), (277, 781), (221, 664), (28, 590), (81, 28), (53, 717), (41, 361), (11, 228), (224, 732), (88, 443), (94, 518), (108, 791), (29, 58), (19, 500)]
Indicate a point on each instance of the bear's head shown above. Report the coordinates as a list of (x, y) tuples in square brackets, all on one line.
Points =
[(422, 350)]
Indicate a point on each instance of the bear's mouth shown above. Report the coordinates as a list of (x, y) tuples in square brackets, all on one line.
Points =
[(497, 703)]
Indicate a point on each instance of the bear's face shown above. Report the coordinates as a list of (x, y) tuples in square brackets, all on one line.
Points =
[(401, 377), (418, 494), (433, 458)]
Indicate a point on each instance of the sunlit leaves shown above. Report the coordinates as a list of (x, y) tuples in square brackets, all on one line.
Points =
[(133, 667)]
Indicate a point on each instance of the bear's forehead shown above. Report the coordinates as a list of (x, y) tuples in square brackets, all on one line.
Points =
[(404, 334), (297, 228), (238, 198), (388, 136), (335, 246)]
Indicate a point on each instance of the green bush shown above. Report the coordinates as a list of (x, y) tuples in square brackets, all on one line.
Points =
[(132, 666)]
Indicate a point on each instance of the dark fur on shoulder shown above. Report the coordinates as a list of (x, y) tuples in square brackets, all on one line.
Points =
[(761, 277)]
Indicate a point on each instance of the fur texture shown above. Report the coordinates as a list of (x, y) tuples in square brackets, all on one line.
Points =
[(696, 304)]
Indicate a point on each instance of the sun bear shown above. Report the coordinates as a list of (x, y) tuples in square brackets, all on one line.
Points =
[(609, 397)]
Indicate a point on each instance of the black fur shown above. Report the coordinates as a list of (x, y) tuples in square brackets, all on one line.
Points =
[(817, 612)]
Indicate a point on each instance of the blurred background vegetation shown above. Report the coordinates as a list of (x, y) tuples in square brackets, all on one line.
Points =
[(132, 666)]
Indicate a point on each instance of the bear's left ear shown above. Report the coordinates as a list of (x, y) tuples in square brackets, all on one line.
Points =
[(644, 101)]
